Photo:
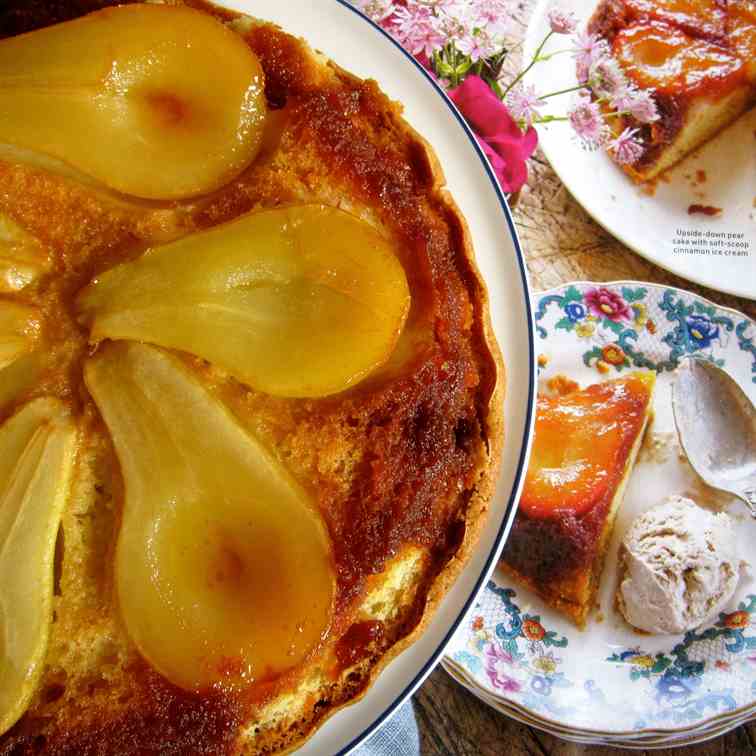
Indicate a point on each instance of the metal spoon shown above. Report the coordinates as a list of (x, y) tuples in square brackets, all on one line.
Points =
[(716, 424)]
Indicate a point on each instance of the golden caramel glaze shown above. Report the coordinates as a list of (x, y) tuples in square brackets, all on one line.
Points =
[(741, 31), (659, 56), (406, 459), (705, 19), (580, 451)]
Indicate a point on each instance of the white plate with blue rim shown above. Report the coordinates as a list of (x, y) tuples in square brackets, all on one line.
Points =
[(353, 42), (716, 251), (608, 681)]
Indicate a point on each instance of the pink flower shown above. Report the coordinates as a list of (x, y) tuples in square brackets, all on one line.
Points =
[(639, 103), (416, 28), (498, 134), (562, 21), (491, 15), (585, 118), (606, 78), (453, 23), (589, 49), (607, 304), (523, 103), (477, 46), (376, 10), (497, 661), (626, 148), (642, 106)]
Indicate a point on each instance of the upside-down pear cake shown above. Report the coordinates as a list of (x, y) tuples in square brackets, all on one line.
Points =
[(584, 450), (250, 400)]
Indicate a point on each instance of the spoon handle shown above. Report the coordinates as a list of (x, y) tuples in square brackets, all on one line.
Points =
[(749, 497)]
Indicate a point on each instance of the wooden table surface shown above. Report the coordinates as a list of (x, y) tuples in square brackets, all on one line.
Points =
[(561, 243)]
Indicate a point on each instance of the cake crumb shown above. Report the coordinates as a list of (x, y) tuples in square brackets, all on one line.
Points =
[(562, 385), (657, 447), (704, 210)]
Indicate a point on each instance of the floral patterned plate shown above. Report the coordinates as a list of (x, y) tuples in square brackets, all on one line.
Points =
[(689, 737), (609, 683)]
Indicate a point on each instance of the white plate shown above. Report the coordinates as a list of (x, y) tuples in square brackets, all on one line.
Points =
[(354, 43), (609, 681), (651, 225)]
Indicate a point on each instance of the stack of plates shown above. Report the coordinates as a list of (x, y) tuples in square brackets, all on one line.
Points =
[(609, 684), (643, 739)]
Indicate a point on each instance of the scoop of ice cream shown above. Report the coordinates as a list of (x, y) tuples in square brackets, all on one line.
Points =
[(678, 567)]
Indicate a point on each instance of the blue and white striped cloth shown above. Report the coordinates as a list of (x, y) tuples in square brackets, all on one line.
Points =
[(397, 737)]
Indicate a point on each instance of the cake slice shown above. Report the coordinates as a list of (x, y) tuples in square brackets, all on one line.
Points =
[(696, 56), (584, 449)]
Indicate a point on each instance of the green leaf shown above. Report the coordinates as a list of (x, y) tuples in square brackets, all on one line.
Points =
[(444, 69), (565, 324), (633, 295), (593, 354), (572, 295), (496, 88), (613, 326), (463, 67)]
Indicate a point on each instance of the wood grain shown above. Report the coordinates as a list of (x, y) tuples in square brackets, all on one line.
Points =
[(561, 243)]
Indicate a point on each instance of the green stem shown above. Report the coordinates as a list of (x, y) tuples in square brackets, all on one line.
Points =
[(549, 119), (556, 52), (561, 91), (529, 66)]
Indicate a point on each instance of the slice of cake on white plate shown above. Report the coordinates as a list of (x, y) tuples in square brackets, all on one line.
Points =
[(697, 58)]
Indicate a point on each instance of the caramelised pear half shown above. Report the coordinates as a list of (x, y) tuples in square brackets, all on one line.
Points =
[(19, 330), (20, 376), (37, 453), (160, 102), (223, 567), (300, 301), (20, 359), (22, 258)]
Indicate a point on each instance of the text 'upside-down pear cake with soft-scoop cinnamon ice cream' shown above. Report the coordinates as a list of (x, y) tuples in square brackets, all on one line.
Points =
[(250, 399)]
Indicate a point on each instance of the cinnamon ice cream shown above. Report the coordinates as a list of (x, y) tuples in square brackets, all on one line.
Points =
[(678, 567)]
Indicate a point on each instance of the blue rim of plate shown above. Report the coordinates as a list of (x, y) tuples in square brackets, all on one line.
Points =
[(511, 507)]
